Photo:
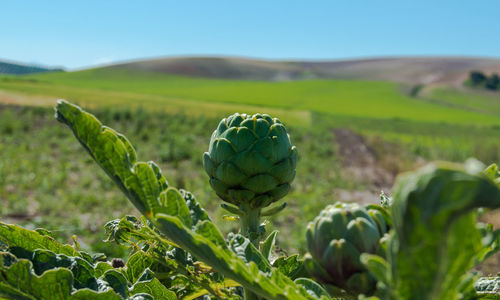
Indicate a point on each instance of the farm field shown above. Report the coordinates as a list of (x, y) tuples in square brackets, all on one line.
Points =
[(370, 99), (249, 150), (46, 179)]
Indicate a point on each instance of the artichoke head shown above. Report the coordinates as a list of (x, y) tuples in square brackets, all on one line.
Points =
[(250, 160), (336, 239)]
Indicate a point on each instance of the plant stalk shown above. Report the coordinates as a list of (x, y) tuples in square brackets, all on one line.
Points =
[(249, 227)]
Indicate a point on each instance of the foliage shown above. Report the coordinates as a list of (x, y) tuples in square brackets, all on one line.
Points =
[(493, 82), (177, 251), (38, 267), (479, 79), (433, 210)]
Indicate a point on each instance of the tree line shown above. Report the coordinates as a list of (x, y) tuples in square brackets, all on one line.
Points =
[(479, 79)]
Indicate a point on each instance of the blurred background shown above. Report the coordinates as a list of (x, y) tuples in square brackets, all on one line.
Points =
[(367, 89)]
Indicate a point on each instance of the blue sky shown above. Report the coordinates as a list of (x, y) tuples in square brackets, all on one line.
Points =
[(76, 34)]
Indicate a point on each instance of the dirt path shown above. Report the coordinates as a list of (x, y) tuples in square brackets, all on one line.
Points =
[(361, 163)]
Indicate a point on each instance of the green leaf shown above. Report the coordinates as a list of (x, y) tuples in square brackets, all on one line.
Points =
[(116, 156), (100, 268), (15, 236), (491, 241), (154, 288), (136, 264), (377, 266), (273, 285), (488, 287), (291, 266), (245, 250), (492, 171), (86, 294), (268, 245), (436, 238), (313, 288), (83, 271), (116, 281), (198, 214), (19, 282), (175, 205)]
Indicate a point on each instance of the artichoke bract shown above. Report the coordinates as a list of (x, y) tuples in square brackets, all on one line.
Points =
[(250, 160), (336, 239)]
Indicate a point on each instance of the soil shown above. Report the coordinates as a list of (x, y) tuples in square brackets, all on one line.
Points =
[(361, 162)]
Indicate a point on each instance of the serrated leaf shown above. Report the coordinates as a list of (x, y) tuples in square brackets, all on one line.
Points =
[(101, 267), (136, 264), (245, 250), (488, 286), (16, 236), (208, 230), (116, 281), (175, 205), (154, 288), (434, 217), (115, 155), (82, 270), (313, 288), (198, 214), (268, 245), (270, 286), (290, 266), (87, 294), (19, 282)]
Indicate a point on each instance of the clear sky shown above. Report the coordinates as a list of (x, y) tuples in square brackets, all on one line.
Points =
[(76, 34)]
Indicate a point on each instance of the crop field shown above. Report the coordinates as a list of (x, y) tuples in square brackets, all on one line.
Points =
[(353, 138), (443, 123), (370, 99), (47, 180)]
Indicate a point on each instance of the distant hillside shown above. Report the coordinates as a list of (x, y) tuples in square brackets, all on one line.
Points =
[(414, 70), (418, 70), (20, 69), (219, 67)]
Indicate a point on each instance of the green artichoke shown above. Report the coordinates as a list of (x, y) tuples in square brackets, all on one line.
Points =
[(250, 160), (336, 239)]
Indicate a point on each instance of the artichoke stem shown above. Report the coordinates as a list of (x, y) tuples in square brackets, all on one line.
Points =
[(249, 227), (249, 224)]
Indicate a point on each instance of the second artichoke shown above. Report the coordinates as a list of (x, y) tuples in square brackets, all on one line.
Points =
[(336, 239)]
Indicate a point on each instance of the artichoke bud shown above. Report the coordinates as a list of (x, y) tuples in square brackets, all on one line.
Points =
[(336, 239), (250, 160)]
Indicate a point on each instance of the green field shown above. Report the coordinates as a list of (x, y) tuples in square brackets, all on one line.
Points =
[(47, 180), (370, 99)]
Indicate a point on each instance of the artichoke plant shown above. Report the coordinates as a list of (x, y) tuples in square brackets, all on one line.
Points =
[(250, 161), (336, 239)]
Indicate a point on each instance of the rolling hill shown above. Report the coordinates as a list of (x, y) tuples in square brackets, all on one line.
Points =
[(22, 69), (412, 70), (336, 97)]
